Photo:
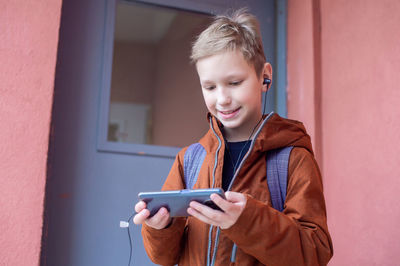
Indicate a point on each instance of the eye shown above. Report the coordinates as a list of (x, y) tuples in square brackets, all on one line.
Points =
[(236, 83), (209, 88)]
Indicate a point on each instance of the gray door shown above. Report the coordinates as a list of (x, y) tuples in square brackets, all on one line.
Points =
[(93, 183)]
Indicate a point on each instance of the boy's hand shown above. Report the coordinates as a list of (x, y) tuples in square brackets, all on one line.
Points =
[(233, 206), (160, 220)]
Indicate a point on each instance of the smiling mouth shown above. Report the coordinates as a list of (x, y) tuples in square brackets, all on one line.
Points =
[(230, 112)]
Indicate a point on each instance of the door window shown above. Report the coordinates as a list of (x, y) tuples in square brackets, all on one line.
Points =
[(155, 95), (151, 99)]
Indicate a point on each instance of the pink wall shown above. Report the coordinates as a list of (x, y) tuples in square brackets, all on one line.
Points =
[(300, 59), (360, 120), (28, 49)]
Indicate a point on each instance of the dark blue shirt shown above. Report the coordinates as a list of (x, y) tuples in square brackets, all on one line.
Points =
[(232, 160)]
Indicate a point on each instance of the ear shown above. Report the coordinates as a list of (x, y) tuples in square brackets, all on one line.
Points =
[(266, 74)]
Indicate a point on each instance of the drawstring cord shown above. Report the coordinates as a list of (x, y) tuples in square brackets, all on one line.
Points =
[(233, 254)]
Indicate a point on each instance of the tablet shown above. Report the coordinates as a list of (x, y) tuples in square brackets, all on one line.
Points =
[(177, 201)]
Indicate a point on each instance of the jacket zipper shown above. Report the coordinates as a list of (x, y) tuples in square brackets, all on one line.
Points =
[(250, 148), (211, 227), (234, 248)]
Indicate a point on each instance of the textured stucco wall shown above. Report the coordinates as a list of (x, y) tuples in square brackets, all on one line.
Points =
[(360, 121), (300, 60), (28, 51)]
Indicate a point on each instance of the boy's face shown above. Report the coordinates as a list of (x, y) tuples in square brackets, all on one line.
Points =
[(232, 92)]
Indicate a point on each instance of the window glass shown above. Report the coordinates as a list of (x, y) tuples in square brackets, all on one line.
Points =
[(155, 93)]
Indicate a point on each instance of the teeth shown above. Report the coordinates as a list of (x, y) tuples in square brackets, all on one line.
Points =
[(229, 112)]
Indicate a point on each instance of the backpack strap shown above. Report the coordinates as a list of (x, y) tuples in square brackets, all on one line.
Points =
[(277, 173), (192, 161)]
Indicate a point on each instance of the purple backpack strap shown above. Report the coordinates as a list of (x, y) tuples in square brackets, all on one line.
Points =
[(192, 161), (277, 175)]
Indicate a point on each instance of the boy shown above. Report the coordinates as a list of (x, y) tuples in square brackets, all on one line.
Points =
[(230, 62)]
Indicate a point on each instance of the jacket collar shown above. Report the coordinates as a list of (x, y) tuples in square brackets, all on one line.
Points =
[(277, 132)]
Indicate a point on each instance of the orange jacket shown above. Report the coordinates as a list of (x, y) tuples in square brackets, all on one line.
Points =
[(297, 236)]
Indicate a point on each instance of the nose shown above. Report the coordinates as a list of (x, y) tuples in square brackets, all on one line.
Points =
[(223, 96)]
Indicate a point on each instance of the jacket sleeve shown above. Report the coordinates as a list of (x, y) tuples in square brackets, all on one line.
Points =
[(298, 235), (164, 246)]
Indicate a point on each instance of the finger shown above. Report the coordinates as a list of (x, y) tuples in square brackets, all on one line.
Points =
[(206, 211), (160, 219), (200, 207), (140, 206), (220, 202), (198, 215), (141, 216), (235, 196)]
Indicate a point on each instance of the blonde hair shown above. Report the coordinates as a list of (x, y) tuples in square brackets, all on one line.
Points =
[(239, 31)]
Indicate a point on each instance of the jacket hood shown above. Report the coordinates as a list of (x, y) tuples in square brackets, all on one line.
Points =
[(277, 132)]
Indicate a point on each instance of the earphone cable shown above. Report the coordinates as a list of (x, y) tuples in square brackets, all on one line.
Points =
[(130, 241), (265, 101), (216, 241)]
